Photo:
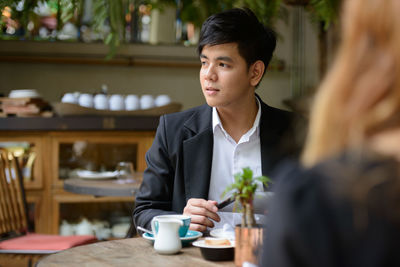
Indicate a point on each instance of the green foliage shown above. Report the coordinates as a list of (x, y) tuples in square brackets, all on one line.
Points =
[(267, 11), (4, 3), (325, 11), (243, 191), (69, 8)]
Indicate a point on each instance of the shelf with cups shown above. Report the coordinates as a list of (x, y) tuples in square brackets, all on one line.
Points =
[(62, 146), (73, 104)]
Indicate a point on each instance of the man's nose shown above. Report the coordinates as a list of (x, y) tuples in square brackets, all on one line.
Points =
[(210, 73)]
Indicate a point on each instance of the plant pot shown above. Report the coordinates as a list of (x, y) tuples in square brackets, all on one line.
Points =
[(248, 244), (296, 2)]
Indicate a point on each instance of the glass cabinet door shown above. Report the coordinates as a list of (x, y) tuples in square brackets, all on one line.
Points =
[(98, 153)]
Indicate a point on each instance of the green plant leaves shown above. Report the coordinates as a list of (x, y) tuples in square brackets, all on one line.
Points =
[(325, 11), (245, 185), (243, 190)]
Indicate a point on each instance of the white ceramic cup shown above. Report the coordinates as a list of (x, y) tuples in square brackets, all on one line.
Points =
[(146, 102), (162, 100), (84, 228), (69, 98), (66, 228), (116, 102), (100, 101), (132, 102), (86, 100)]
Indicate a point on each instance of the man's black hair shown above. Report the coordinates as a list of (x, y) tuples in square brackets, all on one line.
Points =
[(241, 26)]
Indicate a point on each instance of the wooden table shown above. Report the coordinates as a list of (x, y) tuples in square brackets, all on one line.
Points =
[(101, 188), (127, 252)]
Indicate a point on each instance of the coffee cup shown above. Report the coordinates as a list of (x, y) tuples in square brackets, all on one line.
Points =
[(146, 102), (162, 100), (100, 101), (86, 100), (69, 98), (117, 102), (182, 229), (132, 102)]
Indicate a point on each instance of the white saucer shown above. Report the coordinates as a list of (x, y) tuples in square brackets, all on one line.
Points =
[(202, 244), (190, 236)]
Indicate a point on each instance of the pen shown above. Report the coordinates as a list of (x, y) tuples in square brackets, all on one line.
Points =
[(225, 203)]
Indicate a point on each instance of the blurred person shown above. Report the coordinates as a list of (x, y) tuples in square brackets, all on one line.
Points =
[(341, 208), (196, 152)]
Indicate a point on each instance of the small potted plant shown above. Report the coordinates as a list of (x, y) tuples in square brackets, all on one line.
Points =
[(249, 234)]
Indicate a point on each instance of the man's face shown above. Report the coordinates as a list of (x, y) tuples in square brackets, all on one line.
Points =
[(224, 77)]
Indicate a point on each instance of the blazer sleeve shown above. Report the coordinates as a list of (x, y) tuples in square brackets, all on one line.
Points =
[(155, 193)]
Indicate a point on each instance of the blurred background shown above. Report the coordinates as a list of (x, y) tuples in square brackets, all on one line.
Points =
[(63, 61), (149, 47)]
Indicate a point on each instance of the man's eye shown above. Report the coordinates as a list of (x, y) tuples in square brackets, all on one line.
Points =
[(223, 65), (203, 63)]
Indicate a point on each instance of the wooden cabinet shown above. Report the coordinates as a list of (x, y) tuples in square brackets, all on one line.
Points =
[(64, 146)]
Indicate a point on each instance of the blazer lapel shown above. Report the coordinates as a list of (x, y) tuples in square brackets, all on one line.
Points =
[(269, 136), (197, 154)]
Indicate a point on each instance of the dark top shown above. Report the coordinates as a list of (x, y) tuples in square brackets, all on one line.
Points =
[(343, 212), (179, 161)]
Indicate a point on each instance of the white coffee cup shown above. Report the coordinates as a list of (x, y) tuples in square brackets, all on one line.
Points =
[(69, 98), (162, 100), (86, 100), (116, 102), (100, 101), (66, 228), (146, 102), (84, 228), (132, 102)]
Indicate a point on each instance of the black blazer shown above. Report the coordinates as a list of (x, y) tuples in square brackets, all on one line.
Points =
[(179, 161), (341, 212)]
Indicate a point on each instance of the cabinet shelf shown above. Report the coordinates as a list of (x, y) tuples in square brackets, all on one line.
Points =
[(53, 144), (95, 53)]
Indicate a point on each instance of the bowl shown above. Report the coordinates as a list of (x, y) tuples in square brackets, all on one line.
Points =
[(22, 93), (216, 253)]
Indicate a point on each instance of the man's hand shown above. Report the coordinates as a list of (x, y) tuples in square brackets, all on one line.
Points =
[(201, 211)]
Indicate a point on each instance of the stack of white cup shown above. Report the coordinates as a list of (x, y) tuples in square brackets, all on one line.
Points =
[(116, 102)]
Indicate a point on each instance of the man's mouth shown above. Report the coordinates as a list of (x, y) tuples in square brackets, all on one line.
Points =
[(211, 91)]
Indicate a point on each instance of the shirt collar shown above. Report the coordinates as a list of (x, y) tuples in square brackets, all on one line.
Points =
[(216, 122)]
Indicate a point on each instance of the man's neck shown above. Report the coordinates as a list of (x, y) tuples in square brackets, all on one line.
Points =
[(239, 120)]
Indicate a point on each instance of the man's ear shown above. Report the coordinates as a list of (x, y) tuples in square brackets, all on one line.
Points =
[(256, 72)]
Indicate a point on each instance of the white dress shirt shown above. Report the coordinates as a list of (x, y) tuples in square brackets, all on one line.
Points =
[(228, 159)]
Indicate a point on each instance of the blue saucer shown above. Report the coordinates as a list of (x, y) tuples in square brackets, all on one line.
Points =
[(186, 240)]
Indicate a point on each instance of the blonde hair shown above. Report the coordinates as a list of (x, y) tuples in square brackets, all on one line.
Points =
[(361, 94)]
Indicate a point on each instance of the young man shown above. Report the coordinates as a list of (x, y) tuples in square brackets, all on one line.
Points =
[(196, 152)]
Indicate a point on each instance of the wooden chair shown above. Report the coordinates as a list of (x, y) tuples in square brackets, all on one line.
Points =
[(15, 239)]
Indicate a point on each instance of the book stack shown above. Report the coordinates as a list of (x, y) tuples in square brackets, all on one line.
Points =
[(24, 107)]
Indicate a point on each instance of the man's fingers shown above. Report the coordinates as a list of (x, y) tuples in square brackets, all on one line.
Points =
[(201, 211), (210, 205), (198, 219), (197, 227)]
